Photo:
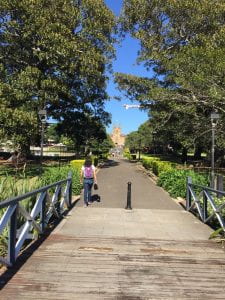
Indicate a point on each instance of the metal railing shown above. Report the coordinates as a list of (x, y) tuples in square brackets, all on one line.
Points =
[(45, 206), (205, 202)]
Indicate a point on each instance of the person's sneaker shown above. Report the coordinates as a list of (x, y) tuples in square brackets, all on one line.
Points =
[(85, 205)]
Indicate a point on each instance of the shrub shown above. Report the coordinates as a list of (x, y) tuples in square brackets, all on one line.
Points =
[(127, 154), (11, 187), (161, 166), (78, 163), (174, 181), (55, 174), (148, 162), (157, 165)]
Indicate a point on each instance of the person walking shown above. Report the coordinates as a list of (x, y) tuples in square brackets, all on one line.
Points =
[(88, 177)]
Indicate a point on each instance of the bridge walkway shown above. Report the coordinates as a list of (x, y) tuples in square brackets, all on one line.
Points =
[(157, 250)]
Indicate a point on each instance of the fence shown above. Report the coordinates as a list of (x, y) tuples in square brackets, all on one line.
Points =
[(20, 224), (209, 202)]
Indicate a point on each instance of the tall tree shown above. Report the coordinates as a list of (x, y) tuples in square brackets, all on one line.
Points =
[(101, 146), (140, 139), (182, 42), (53, 55)]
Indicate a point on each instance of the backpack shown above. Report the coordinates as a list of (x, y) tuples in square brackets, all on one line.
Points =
[(88, 172)]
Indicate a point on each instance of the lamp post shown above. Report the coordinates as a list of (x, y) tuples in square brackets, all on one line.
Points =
[(214, 117), (42, 116), (153, 141)]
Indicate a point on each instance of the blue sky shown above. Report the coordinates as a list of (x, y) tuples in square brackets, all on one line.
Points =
[(129, 120)]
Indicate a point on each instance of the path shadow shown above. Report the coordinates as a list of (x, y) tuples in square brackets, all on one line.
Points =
[(110, 163), (76, 202), (95, 198), (133, 161)]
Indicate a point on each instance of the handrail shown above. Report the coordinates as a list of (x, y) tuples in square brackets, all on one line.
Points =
[(44, 208), (201, 202)]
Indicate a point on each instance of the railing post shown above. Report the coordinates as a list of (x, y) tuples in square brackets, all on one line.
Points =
[(219, 185), (205, 207), (128, 196), (70, 188), (58, 206), (188, 193), (43, 212), (12, 237)]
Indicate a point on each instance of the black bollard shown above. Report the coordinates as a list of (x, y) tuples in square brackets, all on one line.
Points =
[(128, 196)]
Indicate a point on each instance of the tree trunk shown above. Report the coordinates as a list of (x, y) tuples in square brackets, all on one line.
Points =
[(25, 149), (198, 152), (184, 155)]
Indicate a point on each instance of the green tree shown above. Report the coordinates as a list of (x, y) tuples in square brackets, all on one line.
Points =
[(83, 128), (145, 132), (52, 134), (142, 139), (182, 42), (53, 54), (102, 146), (132, 141)]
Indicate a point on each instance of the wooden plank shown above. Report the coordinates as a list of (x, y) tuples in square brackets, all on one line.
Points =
[(120, 268)]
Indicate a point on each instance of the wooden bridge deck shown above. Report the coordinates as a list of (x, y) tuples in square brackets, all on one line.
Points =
[(120, 268), (106, 252)]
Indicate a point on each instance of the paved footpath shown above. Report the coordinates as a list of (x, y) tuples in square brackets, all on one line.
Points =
[(157, 250)]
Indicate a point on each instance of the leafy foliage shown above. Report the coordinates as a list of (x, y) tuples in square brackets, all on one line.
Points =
[(140, 139), (55, 174), (174, 181), (12, 187), (156, 165), (101, 148), (182, 42), (53, 55), (52, 134), (78, 163)]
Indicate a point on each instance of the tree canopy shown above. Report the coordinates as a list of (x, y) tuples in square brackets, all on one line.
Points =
[(140, 139), (53, 55), (182, 43)]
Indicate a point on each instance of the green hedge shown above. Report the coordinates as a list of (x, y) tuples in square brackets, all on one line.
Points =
[(174, 181), (156, 165), (78, 163), (170, 178)]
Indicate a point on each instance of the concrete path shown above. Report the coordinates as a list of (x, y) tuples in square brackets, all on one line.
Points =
[(154, 251), (113, 179), (154, 213)]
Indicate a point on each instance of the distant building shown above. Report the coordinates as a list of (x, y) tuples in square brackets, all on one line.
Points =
[(117, 137)]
